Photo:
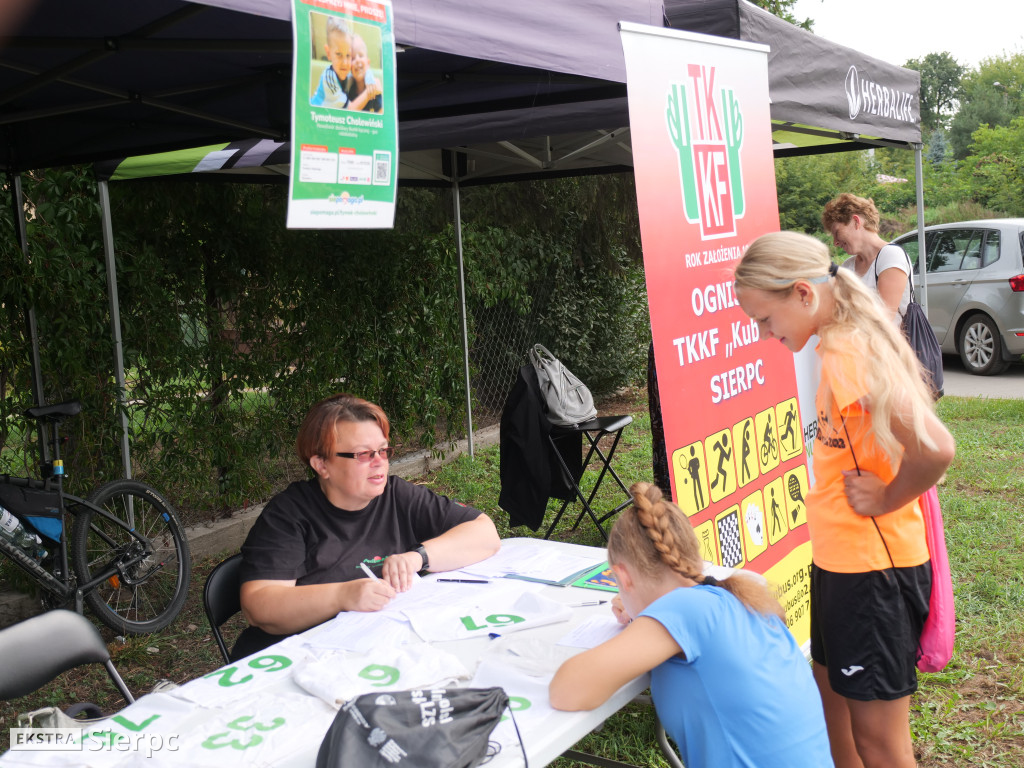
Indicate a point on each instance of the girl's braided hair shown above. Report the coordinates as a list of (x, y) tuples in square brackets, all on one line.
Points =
[(654, 534)]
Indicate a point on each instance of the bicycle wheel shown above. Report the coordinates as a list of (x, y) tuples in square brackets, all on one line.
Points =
[(152, 580)]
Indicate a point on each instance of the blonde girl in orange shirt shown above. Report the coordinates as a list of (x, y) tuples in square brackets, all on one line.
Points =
[(879, 447)]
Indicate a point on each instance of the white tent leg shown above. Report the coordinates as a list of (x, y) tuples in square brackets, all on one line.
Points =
[(115, 326), (921, 252), (462, 306)]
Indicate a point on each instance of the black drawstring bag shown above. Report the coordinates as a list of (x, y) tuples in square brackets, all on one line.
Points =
[(922, 339), (428, 728)]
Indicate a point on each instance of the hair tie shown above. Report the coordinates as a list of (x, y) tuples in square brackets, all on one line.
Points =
[(710, 581), (833, 269)]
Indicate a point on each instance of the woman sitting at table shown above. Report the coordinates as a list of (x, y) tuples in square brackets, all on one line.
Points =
[(729, 682), (305, 558)]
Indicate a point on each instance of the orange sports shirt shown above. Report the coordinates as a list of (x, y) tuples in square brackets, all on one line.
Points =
[(843, 541)]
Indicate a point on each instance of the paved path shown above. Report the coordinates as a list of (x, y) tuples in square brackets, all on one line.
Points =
[(959, 383)]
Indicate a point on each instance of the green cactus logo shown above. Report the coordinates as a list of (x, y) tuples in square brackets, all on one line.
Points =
[(707, 133)]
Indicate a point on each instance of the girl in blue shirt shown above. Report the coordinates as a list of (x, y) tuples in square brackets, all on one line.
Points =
[(729, 682)]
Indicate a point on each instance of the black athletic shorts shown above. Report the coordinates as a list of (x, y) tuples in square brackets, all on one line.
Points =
[(865, 627)]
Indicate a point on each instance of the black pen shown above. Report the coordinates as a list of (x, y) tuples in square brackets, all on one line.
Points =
[(584, 605), (465, 581)]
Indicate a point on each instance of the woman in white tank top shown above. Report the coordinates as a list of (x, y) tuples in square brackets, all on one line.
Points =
[(853, 223)]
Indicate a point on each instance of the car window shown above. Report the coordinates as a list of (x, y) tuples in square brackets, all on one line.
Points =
[(972, 252), (945, 254), (990, 253), (910, 245)]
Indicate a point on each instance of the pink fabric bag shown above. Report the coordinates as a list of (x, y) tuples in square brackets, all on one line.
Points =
[(935, 648)]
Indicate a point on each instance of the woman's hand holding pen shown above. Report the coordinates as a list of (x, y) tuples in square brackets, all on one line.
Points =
[(366, 594)]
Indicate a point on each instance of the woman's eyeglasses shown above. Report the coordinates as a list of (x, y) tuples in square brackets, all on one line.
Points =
[(365, 457)]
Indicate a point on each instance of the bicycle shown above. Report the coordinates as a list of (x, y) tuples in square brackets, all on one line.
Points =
[(129, 556)]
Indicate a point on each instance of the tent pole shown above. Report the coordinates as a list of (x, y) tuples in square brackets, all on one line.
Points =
[(18, 216), (462, 306), (115, 326), (921, 252)]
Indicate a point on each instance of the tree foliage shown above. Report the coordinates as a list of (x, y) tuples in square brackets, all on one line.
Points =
[(784, 10), (992, 95), (996, 167), (940, 88), (233, 326)]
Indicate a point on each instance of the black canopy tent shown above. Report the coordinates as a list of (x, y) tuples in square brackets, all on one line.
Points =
[(513, 87), (81, 84), (486, 92)]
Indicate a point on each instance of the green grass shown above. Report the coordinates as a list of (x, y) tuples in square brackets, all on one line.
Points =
[(971, 714)]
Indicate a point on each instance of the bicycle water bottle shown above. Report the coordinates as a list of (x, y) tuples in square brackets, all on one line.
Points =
[(12, 530)]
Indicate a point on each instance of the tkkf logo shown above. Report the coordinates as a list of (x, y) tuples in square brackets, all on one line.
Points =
[(708, 135)]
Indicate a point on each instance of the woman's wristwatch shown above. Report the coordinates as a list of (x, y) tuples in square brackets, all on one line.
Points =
[(423, 553)]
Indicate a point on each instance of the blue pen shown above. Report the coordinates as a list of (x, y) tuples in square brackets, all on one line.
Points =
[(493, 635)]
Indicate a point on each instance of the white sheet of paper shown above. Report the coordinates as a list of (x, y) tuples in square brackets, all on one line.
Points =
[(509, 614), (361, 632), (592, 632), (533, 561)]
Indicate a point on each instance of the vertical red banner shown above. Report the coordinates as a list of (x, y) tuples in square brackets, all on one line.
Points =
[(705, 181)]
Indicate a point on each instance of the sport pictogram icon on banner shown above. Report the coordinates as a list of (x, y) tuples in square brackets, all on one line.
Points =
[(719, 449), (691, 475), (746, 445), (729, 537), (796, 492)]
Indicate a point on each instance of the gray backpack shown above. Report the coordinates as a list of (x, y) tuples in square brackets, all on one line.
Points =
[(568, 400)]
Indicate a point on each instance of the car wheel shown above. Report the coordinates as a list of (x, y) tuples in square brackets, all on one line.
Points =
[(981, 349)]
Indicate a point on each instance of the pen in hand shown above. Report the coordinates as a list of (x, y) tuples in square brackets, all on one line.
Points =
[(368, 572), (584, 605)]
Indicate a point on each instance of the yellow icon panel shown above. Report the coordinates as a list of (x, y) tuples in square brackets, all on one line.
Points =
[(767, 440), (791, 436), (746, 445), (775, 510), (753, 524), (689, 468), (796, 492), (721, 464), (708, 543), (730, 537)]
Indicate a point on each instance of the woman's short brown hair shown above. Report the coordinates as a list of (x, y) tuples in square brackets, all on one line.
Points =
[(845, 207), (316, 435)]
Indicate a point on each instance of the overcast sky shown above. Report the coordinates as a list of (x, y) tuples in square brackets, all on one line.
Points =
[(897, 30)]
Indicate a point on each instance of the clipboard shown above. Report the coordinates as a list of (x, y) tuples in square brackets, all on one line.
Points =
[(569, 580)]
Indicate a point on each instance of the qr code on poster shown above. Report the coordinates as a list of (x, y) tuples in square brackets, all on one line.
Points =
[(381, 167)]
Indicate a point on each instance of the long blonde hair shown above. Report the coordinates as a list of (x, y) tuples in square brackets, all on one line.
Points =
[(773, 263), (654, 533)]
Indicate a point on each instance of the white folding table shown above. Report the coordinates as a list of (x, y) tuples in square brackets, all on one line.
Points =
[(235, 723)]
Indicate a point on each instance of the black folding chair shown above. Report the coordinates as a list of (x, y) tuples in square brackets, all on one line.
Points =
[(36, 650), (594, 431), (221, 598)]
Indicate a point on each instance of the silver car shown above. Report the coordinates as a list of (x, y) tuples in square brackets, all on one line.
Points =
[(975, 290)]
